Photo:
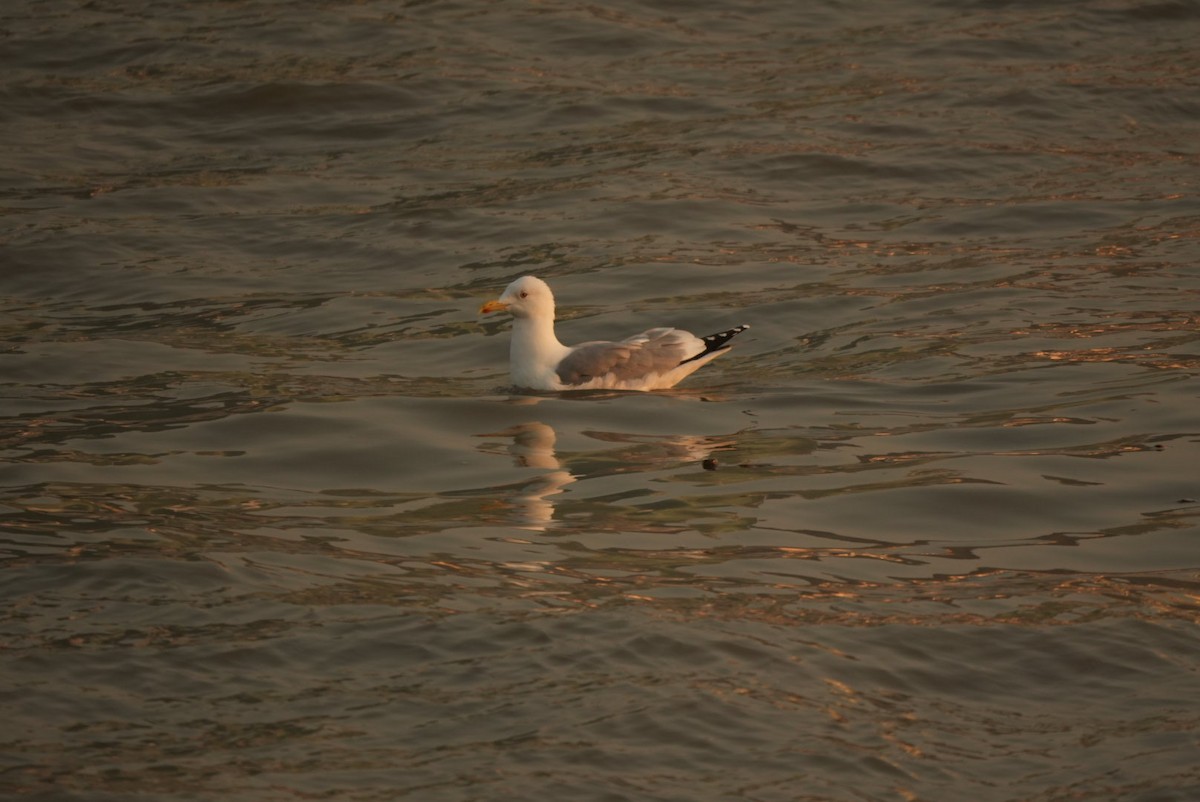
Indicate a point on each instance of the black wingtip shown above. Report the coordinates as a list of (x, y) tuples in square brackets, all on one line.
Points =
[(716, 342)]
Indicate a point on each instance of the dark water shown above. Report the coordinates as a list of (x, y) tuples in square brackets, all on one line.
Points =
[(274, 528)]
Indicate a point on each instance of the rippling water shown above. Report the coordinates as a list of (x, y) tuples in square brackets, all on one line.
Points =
[(273, 526)]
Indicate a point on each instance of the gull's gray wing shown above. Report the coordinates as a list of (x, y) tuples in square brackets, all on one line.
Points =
[(654, 351)]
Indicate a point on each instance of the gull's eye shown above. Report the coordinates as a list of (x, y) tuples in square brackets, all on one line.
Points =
[(524, 294)]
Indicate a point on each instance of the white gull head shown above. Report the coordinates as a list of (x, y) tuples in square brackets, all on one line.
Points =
[(527, 297)]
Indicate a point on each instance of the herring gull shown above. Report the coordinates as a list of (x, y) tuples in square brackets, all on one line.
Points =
[(653, 360)]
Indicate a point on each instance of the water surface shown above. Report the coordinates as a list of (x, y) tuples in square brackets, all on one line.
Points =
[(275, 527)]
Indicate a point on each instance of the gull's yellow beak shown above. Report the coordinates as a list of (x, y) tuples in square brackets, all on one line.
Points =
[(492, 306)]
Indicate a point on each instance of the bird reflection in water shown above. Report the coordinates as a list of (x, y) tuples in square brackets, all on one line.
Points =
[(533, 445)]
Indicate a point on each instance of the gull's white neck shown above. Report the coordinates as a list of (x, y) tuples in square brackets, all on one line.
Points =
[(535, 352)]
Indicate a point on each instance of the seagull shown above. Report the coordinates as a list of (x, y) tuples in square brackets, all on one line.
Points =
[(653, 360)]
